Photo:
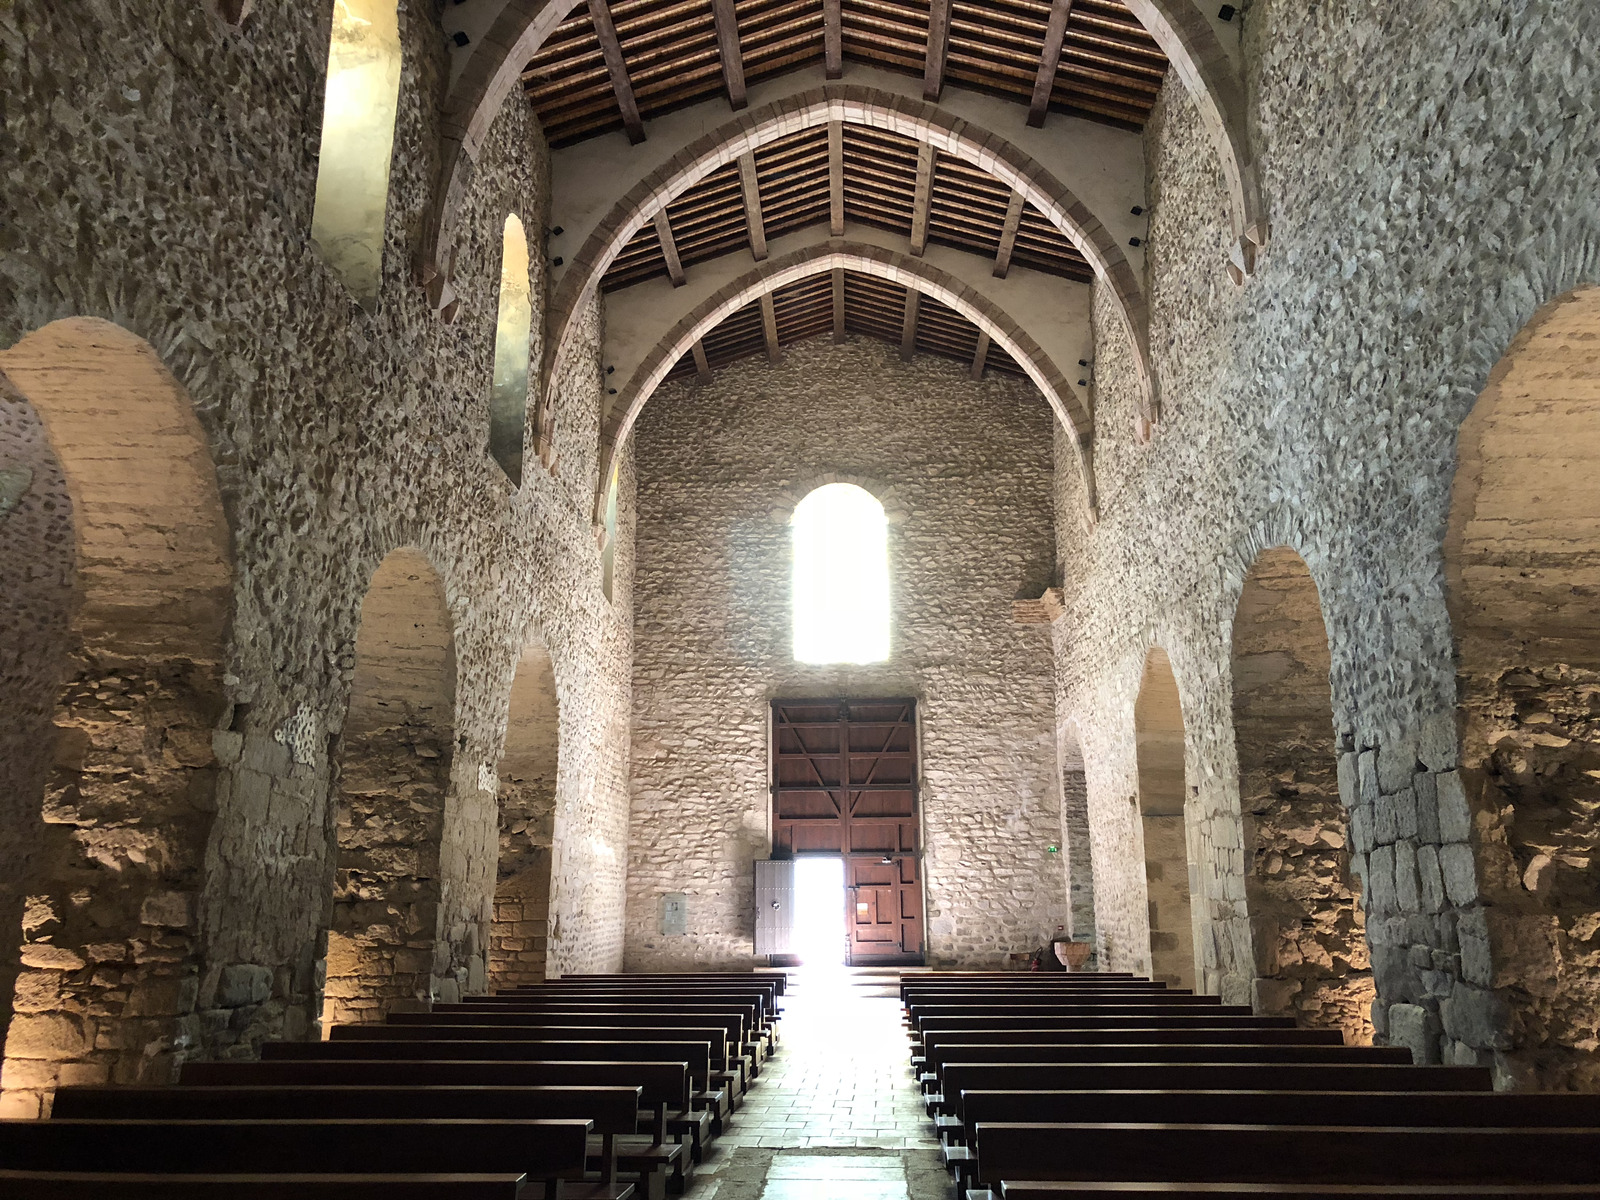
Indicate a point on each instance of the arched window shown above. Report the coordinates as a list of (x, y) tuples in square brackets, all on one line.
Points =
[(508, 397), (357, 138), (608, 555), (841, 577)]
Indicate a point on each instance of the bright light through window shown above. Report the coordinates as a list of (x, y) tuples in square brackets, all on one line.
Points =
[(841, 577)]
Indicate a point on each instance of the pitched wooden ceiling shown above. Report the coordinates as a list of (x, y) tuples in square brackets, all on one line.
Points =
[(1109, 69), (612, 64), (844, 302)]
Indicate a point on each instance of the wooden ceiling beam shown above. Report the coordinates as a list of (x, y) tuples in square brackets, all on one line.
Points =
[(669, 248), (908, 326), (1008, 236), (617, 68), (769, 328), (728, 46), (702, 369), (838, 304), (938, 49), (980, 356), (1044, 81), (836, 178), (922, 201), (750, 183), (832, 40)]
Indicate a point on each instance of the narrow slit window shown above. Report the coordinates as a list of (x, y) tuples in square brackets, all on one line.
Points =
[(841, 577), (357, 140), (608, 556), (508, 397)]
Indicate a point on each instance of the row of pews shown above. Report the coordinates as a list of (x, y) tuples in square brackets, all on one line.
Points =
[(1045, 1087), (593, 1088)]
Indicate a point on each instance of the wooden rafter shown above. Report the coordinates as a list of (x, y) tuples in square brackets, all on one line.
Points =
[(1044, 79), (669, 248), (702, 368), (832, 39), (769, 328), (838, 304), (980, 356), (750, 184), (1008, 235), (938, 49), (836, 178), (617, 68), (922, 200), (908, 326), (727, 21)]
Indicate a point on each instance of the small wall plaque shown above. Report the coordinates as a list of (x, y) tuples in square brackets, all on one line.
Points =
[(674, 914)]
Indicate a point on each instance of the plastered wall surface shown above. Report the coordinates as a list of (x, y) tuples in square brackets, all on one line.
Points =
[(964, 470), (1428, 170), (160, 170)]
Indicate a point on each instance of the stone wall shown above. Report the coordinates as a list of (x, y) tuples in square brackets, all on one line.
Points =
[(160, 175), (721, 468), (1428, 175)]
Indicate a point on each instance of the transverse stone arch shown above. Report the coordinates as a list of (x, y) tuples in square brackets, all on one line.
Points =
[(1163, 792), (529, 762), (857, 105), (902, 269), (1306, 919), (394, 780), (1522, 570), (115, 599)]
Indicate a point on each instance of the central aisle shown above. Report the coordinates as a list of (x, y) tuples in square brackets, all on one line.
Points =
[(836, 1114)]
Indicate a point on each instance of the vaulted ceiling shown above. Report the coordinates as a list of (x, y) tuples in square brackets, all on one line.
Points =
[(610, 67)]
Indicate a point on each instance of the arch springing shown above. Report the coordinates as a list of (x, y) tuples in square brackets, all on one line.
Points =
[(841, 576)]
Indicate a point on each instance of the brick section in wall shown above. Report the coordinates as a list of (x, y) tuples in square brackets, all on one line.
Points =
[(721, 467)]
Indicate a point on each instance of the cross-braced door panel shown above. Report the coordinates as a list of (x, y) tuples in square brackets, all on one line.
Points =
[(845, 782)]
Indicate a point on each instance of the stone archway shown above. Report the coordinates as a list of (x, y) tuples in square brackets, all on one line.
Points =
[(393, 783), (1306, 919), (519, 936), (115, 598), (1522, 565), (1158, 725)]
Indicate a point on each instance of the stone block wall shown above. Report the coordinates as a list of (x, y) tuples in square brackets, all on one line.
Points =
[(1428, 175), (161, 168), (721, 467)]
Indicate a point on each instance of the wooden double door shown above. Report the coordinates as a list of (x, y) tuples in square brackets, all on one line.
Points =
[(844, 781)]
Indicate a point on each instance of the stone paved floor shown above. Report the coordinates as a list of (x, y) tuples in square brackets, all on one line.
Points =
[(836, 1115)]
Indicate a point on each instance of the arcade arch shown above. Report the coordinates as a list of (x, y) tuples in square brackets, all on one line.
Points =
[(1169, 878), (1306, 920), (393, 782), (1522, 567), (115, 597), (519, 935)]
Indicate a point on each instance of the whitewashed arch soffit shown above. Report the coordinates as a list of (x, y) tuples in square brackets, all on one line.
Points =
[(670, 340)]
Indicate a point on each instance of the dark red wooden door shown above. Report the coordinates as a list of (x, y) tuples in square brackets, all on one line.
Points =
[(845, 782)]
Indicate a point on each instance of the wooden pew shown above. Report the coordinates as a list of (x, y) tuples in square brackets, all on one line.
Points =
[(1305, 1154), (665, 1086), (695, 1055), (553, 1154), (778, 979), (1156, 1075), (756, 1041), (727, 1072), (105, 1185), (613, 1111), (1216, 1107), (920, 1012)]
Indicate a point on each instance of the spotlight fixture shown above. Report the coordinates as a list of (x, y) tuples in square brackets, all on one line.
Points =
[(1137, 210), (460, 39), (1227, 12), (1133, 241)]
